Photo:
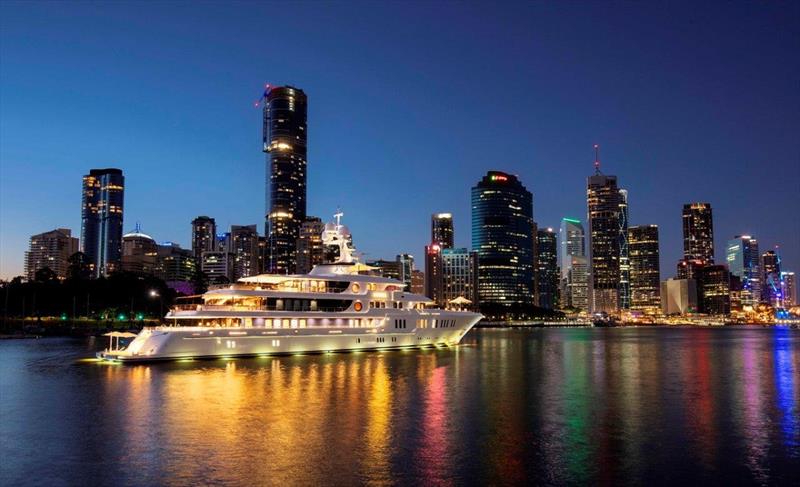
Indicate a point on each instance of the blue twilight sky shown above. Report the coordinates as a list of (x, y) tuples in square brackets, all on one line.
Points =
[(409, 105)]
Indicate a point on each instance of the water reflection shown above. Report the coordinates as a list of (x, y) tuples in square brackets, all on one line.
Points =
[(511, 407)]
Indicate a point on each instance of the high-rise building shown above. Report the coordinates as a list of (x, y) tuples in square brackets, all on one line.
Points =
[(645, 268), (385, 268), (714, 290), (605, 203), (101, 219), (218, 266), (547, 275), (405, 264), (417, 282), (442, 230), (459, 276), (204, 235), (52, 250), (285, 136), (573, 264), (743, 262), (689, 268), (624, 259), (503, 235), (771, 279), (139, 252), (174, 264), (243, 244), (678, 296), (310, 250), (698, 232), (789, 287), (433, 272)]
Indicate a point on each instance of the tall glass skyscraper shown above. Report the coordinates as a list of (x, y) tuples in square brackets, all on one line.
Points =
[(442, 230), (573, 264), (547, 268), (743, 262), (698, 232), (624, 258), (605, 203), (503, 235), (204, 236), (771, 278), (285, 136), (645, 268), (101, 219)]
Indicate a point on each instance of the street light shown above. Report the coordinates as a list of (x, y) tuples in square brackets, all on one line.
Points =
[(155, 294)]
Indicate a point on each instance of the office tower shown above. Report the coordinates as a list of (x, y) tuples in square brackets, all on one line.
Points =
[(678, 296), (442, 230), (789, 287), (405, 263), (417, 282), (285, 135), (385, 268), (743, 262), (139, 252), (698, 232), (218, 266), (459, 276), (547, 268), (503, 235), (645, 268), (689, 268), (243, 244), (175, 264), (714, 290), (573, 264), (771, 279), (624, 260), (433, 272), (101, 219), (605, 204), (310, 251), (204, 235), (52, 250)]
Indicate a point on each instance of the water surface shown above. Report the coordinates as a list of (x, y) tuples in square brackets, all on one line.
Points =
[(556, 406)]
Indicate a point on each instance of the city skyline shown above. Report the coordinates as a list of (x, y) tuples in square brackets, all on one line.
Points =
[(552, 166)]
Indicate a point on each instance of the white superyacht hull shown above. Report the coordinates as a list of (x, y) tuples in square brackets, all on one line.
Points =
[(175, 343)]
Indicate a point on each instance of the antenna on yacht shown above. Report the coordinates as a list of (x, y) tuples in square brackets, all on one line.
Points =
[(338, 215)]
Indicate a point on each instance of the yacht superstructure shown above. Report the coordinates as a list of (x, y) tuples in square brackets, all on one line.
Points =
[(333, 308)]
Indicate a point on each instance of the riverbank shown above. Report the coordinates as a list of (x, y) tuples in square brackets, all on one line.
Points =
[(55, 327)]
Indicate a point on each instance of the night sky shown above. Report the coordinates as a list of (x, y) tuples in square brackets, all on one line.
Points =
[(409, 105)]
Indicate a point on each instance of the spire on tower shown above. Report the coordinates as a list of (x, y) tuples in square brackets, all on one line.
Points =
[(597, 159)]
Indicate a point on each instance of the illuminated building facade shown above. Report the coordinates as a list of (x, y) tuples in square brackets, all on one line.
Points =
[(606, 221), (714, 288), (243, 244), (679, 296), (442, 230), (285, 136), (698, 232), (503, 236), (624, 259), (459, 275), (433, 272), (139, 252), (310, 251), (417, 281), (547, 275), (645, 268), (218, 266), (573, 265), (101, 219), (204, 235), (405, 264), (771, 279), (742, 256), (789, 286), (52, 250), (174, 264)]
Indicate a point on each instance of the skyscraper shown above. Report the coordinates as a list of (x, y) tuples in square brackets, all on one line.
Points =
[(310, 251), (101, 219), (405, 264), (645, 268), (573, 264), (503, 236), (789, 286), (442, 230), (547, 268), (624, 259), (244, 247), (52, 250), (605, 204), (714, 290), (204, 235), (285, 136), (743, 262), (459, 275), (698, 232), (771, 278)]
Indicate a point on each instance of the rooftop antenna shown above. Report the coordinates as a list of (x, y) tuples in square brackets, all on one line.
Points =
[(338, 215), (597, 159)]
